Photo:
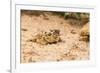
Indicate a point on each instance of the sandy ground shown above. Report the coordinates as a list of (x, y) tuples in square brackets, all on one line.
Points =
[(70, 49)]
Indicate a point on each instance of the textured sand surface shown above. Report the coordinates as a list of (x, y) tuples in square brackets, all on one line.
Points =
[(70, 49)]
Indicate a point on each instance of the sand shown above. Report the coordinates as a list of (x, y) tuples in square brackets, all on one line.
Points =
[(71, 48)]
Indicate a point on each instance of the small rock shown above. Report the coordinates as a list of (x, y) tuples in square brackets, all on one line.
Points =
[(23, 29), (73, 31), (85, 33)]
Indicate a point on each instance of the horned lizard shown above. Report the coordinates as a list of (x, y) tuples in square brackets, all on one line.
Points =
[(51, 37)]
